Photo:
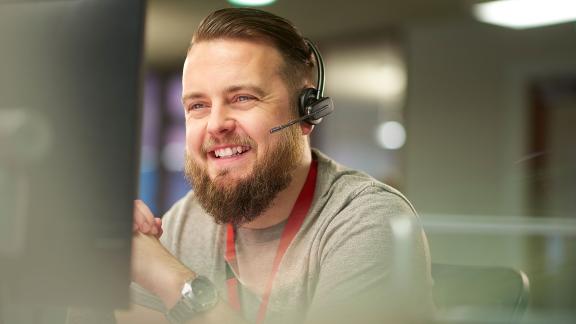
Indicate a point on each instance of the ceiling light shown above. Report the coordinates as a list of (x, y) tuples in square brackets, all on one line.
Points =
[(251, 3), (391, 135), (520, 14)]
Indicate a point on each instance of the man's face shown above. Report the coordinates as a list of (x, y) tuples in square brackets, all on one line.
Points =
[(233, 94)]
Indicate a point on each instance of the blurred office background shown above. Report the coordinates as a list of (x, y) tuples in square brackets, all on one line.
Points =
[(474, 122)]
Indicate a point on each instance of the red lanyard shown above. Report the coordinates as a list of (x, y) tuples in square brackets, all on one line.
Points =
[(292, 227)]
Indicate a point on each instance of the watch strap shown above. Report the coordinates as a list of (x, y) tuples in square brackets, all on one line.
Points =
[(181, 312)]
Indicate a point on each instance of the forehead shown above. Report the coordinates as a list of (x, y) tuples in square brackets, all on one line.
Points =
[(222, 61)]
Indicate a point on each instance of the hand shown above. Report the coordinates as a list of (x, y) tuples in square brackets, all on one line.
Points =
[(144, 220), (153, 266)]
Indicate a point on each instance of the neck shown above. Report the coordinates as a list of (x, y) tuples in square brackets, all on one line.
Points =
[(284, 201)]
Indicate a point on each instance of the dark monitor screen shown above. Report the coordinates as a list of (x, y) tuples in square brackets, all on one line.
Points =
[(70, 83)]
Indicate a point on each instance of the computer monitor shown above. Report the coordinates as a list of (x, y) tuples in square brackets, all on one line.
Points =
[(70, 83)]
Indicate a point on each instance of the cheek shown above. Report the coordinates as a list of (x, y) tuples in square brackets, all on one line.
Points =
[(261, 121), (193, 139), (258, 129)]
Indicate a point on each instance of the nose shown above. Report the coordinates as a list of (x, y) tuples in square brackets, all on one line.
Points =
[(220, 121)]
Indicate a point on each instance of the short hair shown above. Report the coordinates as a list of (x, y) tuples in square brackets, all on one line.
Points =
[(254, 24)]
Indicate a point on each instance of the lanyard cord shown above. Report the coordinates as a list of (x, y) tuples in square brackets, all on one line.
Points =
[(295, 220)]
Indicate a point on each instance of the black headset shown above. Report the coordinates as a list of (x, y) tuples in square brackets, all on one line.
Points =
[(312, 105)]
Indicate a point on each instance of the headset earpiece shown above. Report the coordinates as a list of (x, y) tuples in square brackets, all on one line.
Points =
[(307, 98), (313, 105)]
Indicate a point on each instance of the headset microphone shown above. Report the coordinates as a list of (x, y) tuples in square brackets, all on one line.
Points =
[(326, 109), (312, 106), (281, 127)]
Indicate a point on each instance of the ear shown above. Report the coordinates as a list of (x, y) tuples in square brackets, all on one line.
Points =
[(306, 128)]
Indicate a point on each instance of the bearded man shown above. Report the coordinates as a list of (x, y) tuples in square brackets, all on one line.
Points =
[(274, 231)]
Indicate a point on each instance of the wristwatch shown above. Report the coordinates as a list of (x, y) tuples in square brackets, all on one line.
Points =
[(198, 295)]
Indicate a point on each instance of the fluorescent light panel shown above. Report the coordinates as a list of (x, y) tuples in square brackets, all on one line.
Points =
[(251, 3), (520, 14)]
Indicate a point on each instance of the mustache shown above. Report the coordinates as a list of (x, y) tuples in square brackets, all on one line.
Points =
[(234, 139)]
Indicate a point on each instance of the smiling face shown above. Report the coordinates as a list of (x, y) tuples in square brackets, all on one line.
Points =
[(233, 94)]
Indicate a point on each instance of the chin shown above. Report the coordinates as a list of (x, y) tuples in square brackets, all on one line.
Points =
[(227, 176)]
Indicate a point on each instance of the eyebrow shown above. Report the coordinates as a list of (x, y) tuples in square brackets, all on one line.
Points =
[(234, 88), (191, 95), (252, 88)]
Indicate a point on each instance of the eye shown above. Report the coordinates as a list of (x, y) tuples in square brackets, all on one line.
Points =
[(243, 98), (195, 106)]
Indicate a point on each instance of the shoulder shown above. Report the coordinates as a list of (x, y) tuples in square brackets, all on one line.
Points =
[(359, 221), (340, 188), (353, 210)]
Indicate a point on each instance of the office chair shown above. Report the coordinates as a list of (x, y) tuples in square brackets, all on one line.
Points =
[(479, 294)]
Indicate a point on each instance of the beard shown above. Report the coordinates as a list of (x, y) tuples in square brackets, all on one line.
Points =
[(243, 200)]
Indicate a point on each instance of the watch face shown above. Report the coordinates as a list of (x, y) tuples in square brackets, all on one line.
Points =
[(204, 292)]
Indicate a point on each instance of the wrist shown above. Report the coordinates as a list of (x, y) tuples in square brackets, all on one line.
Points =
[(171, 291)]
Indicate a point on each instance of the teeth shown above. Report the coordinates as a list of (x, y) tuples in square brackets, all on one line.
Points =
[(229, 151)]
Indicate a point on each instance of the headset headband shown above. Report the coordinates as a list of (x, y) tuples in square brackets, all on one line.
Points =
[(319, 68)]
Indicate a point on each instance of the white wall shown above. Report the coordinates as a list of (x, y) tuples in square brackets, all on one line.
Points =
[(467, 113)]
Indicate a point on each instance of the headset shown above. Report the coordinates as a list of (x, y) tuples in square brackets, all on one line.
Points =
[(312, 105)]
